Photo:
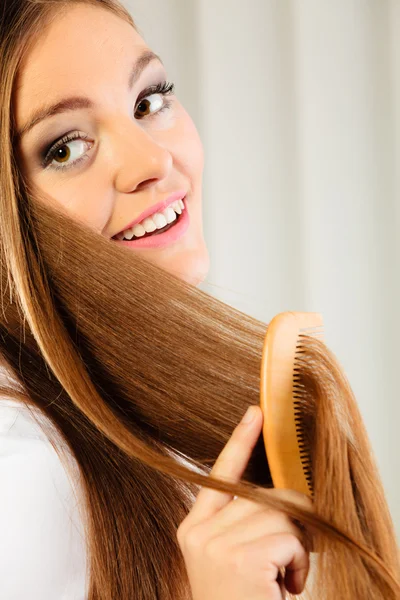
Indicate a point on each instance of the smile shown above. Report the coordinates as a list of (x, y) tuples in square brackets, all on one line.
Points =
[(160, 230)]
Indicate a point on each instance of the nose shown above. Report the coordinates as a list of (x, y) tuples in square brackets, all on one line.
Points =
[(141, 159)]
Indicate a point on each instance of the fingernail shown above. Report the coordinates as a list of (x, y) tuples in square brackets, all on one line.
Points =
[(249, 414)]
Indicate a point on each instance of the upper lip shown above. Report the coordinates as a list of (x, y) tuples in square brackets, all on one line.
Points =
[(153, 209)]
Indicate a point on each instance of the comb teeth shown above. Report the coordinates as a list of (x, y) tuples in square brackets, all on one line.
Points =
[(303, 444), (298, 396), (305, 457), (288, 427)]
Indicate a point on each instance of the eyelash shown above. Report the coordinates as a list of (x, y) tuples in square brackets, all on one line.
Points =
[(164, 88)]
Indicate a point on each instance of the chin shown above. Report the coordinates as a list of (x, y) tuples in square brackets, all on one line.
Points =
[(194, 268), (200, 269), (195, 280)]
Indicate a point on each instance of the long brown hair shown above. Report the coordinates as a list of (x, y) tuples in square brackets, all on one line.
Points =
[(134, 367)]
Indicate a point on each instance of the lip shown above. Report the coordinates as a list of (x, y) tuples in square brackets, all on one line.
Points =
[(162, 239), (179, 195)]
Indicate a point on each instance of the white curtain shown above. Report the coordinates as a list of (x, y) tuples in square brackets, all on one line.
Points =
[(298, 106)]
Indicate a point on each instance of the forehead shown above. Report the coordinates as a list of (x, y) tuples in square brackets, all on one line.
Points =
[(76, 49)]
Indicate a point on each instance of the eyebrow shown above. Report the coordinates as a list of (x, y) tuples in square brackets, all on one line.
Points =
[(79, 102)]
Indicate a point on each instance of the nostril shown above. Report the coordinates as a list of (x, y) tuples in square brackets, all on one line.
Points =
[(144, 184)]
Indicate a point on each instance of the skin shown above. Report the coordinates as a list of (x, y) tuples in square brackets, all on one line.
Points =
[(133, 159)]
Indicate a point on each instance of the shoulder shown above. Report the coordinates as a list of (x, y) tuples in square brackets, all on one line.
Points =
[(42, 550)]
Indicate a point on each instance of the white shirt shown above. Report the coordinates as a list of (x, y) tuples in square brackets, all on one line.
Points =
[(42, 544)]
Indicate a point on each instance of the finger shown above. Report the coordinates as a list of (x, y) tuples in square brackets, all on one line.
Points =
[(269, 554), (251, 527), (230, 465), (242, 507), (302, 501)]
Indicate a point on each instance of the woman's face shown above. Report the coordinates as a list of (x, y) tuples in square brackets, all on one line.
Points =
[(132, 148)]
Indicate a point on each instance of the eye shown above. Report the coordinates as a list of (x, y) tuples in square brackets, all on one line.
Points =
[(149, 105), (60, 152), (70, 152), (154, 99)]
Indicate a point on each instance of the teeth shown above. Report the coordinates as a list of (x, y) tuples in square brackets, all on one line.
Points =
[(170, 214), (137, 230), (156, 221), (160, 220), (149, 225)]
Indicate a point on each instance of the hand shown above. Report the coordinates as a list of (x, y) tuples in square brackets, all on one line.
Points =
[(234, 548)]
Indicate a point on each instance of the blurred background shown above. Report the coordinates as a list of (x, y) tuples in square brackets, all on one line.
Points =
[(298, 106)]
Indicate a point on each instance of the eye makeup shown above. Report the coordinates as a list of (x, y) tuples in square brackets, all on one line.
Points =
[(47, 154)]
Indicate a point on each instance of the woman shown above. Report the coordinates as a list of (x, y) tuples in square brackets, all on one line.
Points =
[(129, 368)]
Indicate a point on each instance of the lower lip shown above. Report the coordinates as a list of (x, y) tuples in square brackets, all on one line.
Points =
[(162, 239)]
